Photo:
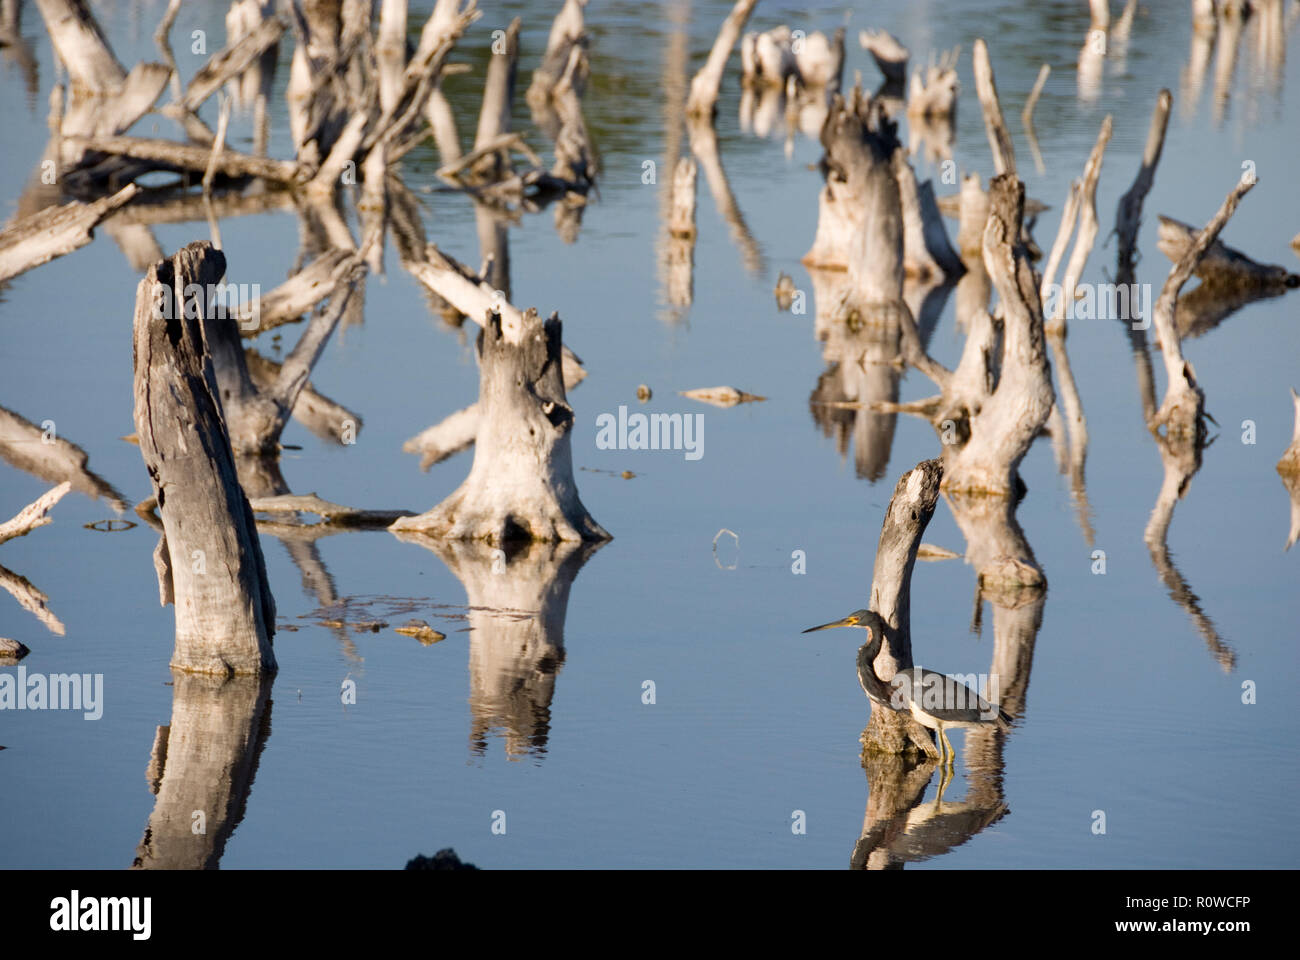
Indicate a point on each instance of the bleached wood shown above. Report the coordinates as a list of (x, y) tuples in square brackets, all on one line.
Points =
[(225, 614), (521, 484)]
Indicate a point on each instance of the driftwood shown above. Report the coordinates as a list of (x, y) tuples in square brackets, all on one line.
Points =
[(703, 98), (35, 514), (521, 484), (209, 559), (52, 232)]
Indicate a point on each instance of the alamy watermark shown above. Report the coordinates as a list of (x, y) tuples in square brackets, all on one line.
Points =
[(220, 301), (952, 691), (55, 691), (655, 431), (1100, 301)]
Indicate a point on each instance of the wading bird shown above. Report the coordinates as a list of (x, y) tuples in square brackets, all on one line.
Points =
[(936, 701)]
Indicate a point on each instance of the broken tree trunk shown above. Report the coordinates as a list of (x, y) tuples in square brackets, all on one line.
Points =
[(521, 485), (209, 559), (908, 514), (1004, 426)]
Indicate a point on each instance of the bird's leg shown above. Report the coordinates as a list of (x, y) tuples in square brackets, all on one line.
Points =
[(945, 778), (947, 745)]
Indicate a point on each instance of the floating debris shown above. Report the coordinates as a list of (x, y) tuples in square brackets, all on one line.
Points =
[(110, 526), (421, 631), (643, 393), (369, 626), (785, 291), (721, 396), (627, 474)]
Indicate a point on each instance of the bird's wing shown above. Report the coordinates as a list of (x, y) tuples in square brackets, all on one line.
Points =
[(949, 700)]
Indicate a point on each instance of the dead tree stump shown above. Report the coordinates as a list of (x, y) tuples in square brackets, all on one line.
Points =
[(909, 513), (521, 485), (209, 560)]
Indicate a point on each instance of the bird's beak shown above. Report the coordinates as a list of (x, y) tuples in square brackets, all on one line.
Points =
[(846, 622)]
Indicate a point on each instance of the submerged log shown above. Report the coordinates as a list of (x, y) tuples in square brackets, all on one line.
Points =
[(521, 484), (209, 559)]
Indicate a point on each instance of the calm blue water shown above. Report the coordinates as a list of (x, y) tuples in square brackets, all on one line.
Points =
[(1126, 710)]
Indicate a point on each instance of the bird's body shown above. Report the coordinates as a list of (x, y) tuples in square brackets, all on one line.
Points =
[(935, 700)]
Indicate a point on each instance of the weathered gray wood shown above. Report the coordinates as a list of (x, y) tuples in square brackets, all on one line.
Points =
[(225, 614), (54, 231), (521, 485)]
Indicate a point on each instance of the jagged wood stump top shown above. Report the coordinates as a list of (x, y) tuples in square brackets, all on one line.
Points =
[(209, 560), (521, 485)]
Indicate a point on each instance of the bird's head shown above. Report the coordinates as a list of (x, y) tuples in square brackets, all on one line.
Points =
[(867, 620)]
